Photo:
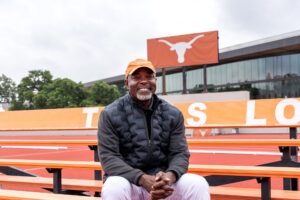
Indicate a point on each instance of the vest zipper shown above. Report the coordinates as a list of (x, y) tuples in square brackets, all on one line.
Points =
[(149, 140)]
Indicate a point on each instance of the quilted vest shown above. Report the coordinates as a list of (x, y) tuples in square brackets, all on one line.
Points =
[(129, 122)]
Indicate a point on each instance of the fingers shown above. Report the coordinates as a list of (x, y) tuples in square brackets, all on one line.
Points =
[(161, 184), (147, 181), (160, 194), (158, 185), (159, 175), (163, 176), (162, 187), (162, 191), (167, 180)]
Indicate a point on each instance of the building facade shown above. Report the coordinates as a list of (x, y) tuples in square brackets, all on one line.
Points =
[(267, 68)]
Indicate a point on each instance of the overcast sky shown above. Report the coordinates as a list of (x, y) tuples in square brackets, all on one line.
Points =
[(88, 40)]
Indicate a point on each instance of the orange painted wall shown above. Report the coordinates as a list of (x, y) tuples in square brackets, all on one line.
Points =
[(254, 113)]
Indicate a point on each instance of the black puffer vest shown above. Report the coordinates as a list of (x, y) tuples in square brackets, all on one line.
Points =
[(137, 149)]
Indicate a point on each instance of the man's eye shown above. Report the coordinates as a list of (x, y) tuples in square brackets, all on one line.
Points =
[(150, 77), (136, 78)]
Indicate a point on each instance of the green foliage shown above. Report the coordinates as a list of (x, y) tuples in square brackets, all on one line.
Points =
[(29, 86), (61, 93), (39, 91), (16, 105), (103, 94), (7, 89), (122, 89)]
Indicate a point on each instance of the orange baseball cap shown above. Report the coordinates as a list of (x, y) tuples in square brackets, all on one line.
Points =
[(136, 64)]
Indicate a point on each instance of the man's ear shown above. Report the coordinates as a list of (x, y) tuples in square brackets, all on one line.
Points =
[(126, 83)]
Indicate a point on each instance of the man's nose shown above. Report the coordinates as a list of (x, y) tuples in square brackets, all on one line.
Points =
[(143, 80)]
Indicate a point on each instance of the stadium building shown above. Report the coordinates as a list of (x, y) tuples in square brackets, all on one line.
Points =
[(267, 68)]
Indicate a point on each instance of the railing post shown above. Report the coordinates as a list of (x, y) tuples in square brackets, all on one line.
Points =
[(98, 173), (294, 156), (56, 179), (265, 187), (286, 157)]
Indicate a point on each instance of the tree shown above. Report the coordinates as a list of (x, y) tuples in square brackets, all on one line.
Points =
[(122, 89), (61, 93), (103, 94), (29, 87), (7, 89)]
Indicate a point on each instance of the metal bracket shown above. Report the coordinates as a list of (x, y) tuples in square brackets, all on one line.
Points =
[(97, 173), (56, 179), (265, 187)]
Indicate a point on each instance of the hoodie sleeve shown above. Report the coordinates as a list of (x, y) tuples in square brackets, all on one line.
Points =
[(109, 152), (178, 157)]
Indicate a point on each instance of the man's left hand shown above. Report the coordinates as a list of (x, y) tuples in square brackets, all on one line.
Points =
[(162, 187)]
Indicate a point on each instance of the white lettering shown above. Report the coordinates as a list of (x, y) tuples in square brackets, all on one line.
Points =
[(195, 113), (89, 118), (279, 112), (250, 120)]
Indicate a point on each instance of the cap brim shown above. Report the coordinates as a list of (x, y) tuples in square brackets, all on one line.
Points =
[(138, 67)]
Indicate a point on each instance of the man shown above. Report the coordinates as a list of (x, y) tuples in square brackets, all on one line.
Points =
[(142, 145)]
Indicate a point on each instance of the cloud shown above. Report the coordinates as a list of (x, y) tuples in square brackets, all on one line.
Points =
[(87, 40), (244, 21)]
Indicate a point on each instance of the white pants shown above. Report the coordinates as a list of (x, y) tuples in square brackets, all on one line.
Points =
[(188, 187)]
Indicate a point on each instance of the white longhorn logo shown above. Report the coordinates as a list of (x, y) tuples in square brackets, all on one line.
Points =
[(181, 47)]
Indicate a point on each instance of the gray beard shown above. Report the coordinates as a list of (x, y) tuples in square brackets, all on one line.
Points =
[(144, 97)]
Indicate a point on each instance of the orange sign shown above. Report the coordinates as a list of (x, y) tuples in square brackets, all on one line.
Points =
[(252, 113), (50, 119), (184, 50)]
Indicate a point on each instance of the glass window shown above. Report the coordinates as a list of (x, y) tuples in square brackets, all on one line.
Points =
[(261, 69), (285, 66), (297, 89), (229, 73), (269, 68), (290, 88), (262, 90), (241, 76), (235, 72), (174, 82), (277, 67), (209, 74), (270, 86), (241, 71), (218, 75), (295, 65), (254, 70), (159, 85), (193, 78), (248, 73), (223, 74), (213, 76)]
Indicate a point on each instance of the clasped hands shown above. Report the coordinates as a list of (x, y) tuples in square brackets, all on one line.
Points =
[(158, 186)]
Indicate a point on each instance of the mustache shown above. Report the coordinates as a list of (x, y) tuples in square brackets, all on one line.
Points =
[(144, 87)]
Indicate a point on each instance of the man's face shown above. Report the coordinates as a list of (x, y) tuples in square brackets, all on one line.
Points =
[(141, 84)]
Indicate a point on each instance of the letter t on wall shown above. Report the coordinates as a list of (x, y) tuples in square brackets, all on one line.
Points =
[(89, 118), (250, 120)]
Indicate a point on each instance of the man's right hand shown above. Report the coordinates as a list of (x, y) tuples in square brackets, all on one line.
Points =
[(162, 187), (146, 181)]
